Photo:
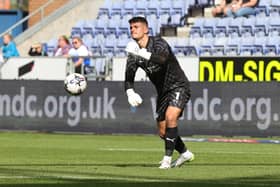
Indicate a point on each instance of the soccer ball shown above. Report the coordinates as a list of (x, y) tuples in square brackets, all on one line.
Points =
[(75, 84)]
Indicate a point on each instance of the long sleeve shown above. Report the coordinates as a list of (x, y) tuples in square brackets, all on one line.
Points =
[(10, 50), (131, 68), (161, 52)]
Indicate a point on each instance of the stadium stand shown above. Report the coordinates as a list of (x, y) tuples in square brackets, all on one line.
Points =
[(108, 34)]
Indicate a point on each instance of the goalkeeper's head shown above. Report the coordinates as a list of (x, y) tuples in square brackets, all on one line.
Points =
[(138, 28)]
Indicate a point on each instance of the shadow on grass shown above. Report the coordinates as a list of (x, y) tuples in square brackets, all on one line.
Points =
[(94, 179), (232, 182), (133, 164)]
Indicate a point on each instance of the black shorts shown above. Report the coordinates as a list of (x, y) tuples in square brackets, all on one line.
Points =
[(177, 98)]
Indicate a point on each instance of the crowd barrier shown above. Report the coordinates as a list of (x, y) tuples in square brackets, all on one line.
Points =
[(220, 108), (201, 69), (53, 68)]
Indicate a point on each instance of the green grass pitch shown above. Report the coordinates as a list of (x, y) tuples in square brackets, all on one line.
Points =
[(34, 159)]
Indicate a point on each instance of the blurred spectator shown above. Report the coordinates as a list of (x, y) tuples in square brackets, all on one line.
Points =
[(1, 58), (37, 50), (80, 54), (5, 4), (221, 9), (63, 47), (9, 49), (243, 8)]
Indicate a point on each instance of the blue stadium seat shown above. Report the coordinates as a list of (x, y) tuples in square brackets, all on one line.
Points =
[(274, 26), (232, 50), (142, 4), (246, 47), (221, 41), (165, 3), (208, 27), (51, 46), (181, 4), (99, 64), (77, 30), (127, 14), (102, 22), (221, 27), (203, 2), (116, 13), (164, 16), (104, 12), (247, 40), (208, 41), (218, 50), (110, 42), (123, 33), (193, 46), (196, 30), (260, 40), (88, 29), (192, 51), (114, 23), (140, 12), (246, 50), (274, 8), (111, 32), (261, 26), (180, 50), (96, 50), (258, 50), (177, 17), (259, 45), (129, 4), (247, 27), (153, 22), (234, 27), (191, 3), (117, 5), (120, 47), (205, 50), (154, 4), (272, 46), (153, 11), (109, 51), (262, 9), (120, 52), (234, 41), (179, 45), (270, 50)]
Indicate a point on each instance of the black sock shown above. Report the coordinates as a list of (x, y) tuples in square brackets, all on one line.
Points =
[(180, 146), (170, 140)]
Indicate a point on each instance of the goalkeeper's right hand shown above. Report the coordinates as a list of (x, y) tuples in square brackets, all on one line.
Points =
[(134, 99)]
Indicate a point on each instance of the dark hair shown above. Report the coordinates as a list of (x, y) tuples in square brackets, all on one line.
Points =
[(65, 38), (138, 19)]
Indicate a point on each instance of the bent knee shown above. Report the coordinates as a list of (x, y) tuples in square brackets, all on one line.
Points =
[(171, 120)]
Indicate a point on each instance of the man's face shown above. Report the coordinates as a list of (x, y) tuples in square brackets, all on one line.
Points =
[(138, 30)]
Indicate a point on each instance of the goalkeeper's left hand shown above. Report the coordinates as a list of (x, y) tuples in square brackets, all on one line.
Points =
[(134, 99), (133, 48)]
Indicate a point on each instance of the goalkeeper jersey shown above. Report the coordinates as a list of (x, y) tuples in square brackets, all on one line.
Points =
[(162, 69)]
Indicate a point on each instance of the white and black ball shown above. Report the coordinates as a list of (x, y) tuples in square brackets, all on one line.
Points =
[(75, 84)]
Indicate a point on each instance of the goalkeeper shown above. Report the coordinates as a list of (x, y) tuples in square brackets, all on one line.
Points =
[(154, 56)]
